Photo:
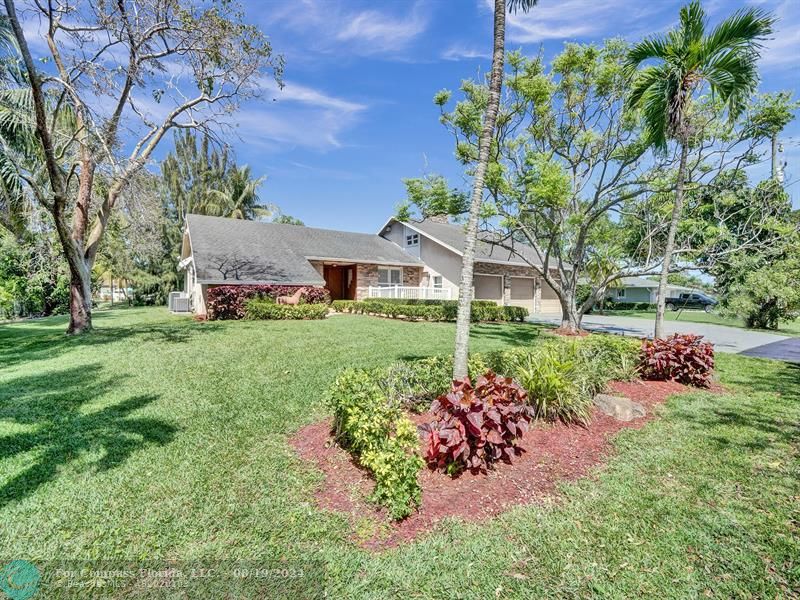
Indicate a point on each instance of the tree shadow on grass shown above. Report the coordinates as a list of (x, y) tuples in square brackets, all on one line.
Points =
[(763, 375), (61, 428), (762, 424), (513, 334), (21, 343)]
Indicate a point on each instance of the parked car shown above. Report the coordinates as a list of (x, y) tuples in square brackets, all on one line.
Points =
[(693, 300)]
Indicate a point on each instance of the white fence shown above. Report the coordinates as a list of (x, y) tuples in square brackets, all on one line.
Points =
[(408, 292)]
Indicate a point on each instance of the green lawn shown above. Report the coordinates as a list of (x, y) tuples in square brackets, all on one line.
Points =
[(157, 437), (698, 316)]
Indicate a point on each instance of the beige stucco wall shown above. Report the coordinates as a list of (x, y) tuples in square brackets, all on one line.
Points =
[(438, 260)]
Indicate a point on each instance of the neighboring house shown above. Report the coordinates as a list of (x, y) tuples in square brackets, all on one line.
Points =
[(406, 260), (641, 289)]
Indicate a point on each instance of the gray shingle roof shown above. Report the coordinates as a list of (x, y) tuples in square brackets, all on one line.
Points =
[(453, 235), (236, 251)]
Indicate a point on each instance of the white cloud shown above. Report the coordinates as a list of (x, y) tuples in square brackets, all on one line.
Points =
[(295, 92), (460, 52), (784, 49), (570, 19), (334, 26), (295, 116), (383, 32)]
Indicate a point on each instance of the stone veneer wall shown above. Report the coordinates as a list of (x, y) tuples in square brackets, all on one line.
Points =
[(367, 275)]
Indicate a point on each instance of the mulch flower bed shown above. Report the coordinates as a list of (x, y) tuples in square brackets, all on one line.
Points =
[(553, 454)]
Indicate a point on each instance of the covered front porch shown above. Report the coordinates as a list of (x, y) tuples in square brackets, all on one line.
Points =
[(356, 281)]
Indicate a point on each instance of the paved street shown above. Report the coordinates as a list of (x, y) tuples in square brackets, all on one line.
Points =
[(725, 339)]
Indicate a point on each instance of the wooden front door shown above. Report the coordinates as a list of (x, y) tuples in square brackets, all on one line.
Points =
[(340, 281)]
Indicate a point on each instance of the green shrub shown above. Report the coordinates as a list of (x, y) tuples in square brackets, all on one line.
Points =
[(613, 356), (562, 375), (429, 302), (265, 308), (430, 310), (415, 384), (342, 305), (384, 441)]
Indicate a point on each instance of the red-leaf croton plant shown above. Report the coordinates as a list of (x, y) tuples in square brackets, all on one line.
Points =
[(478, 426), (684, 358)]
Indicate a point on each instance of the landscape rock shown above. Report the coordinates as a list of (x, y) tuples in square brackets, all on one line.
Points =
[(619, 407)]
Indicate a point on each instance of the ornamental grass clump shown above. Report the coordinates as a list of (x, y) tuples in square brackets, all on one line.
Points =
[(476, 426)]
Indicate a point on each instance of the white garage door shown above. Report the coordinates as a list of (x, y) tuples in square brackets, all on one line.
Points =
[(488, 287), (522, 289), (550, 303)]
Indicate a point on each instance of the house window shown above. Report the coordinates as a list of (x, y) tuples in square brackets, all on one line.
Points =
[(437, 282), (620, 292), (389, 276), (412, 239)]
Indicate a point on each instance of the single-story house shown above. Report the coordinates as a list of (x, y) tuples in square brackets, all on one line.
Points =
[(640, 289), (403, 260)]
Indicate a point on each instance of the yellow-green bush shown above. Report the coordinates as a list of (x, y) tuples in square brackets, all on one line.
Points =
[(383, 439)]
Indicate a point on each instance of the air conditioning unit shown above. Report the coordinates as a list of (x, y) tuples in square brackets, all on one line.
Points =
[(179, 302)]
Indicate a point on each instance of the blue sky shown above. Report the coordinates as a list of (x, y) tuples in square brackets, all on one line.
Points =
[(356, 114)]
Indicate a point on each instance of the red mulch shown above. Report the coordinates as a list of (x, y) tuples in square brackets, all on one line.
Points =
[(553, 453)]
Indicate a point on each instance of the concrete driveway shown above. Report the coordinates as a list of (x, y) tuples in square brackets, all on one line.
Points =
[(725, 339)]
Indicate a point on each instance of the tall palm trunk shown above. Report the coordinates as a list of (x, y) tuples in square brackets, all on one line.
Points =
[(670, 247), (484, 147)]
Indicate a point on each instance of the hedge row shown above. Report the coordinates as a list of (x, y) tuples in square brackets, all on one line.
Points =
[(481, 311), (448, 303), (266, 308), (228, 301)]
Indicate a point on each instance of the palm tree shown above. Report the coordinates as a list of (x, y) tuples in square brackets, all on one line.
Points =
[(689, 56), (484, 146), (238, 197)]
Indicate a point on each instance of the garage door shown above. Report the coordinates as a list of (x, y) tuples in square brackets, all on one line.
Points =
[(488, 287), (550, 303), (522, 292)]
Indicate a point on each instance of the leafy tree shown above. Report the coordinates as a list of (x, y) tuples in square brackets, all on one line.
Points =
[(770, 115), (489, 111), (431, 196), (566, 157), (767, 295), (724, 59), (34, 279), (106, 57)]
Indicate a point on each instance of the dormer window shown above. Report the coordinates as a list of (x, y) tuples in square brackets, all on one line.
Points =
[(412, 240)]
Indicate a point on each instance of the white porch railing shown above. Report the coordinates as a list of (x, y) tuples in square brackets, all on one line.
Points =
[(408, 292)]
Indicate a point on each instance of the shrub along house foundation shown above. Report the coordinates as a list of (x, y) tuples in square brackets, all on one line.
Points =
[(404, 260)]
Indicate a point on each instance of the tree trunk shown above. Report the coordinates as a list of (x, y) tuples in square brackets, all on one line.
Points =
[(80, 303), (570, 318), (484, 147), (670, 247)]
